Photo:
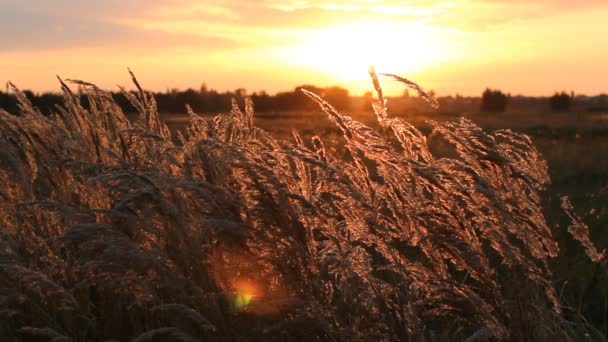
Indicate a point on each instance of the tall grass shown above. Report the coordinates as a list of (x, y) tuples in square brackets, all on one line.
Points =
[(112, 229)]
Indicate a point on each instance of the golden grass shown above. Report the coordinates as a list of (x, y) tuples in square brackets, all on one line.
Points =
[(113, 229)]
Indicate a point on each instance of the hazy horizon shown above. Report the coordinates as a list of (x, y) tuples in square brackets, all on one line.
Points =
[(116, 89), (464, 46)]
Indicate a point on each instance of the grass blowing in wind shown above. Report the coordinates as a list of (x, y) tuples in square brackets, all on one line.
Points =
[(113, 229)]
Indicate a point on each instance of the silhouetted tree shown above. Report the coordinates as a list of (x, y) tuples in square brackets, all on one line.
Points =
[(494, 101), (368, 98), (560, 102), (263, 102), (8, 102), (337, 96)]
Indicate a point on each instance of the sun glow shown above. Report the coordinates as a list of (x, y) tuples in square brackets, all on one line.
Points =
[(347, 51)]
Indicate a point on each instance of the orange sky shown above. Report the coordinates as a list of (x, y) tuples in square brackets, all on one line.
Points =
[(458, 46)]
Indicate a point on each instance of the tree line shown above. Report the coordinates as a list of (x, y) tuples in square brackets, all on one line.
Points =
[(201, 101), (495, 101), (207, 100)]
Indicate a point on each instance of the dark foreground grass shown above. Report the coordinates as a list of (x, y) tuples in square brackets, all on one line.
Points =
[(119, 229)]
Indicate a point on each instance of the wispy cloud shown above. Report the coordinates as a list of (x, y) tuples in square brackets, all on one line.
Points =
[(41, 24), (34, 29)]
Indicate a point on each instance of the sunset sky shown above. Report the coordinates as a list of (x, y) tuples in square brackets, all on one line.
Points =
[(459, 46)]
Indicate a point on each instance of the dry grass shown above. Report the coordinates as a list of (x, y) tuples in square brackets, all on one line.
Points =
[(113, 229)]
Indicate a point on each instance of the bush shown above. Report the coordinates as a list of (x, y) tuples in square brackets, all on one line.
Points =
[(494, 101), (560, 102)]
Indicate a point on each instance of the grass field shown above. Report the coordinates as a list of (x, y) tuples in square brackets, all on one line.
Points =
[(575, 147), (233, 228)]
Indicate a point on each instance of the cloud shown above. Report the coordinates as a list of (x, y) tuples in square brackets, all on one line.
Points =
[(484, 15), (81, 8), (467, 15), (33, 30), (555, 4), (223, 24)]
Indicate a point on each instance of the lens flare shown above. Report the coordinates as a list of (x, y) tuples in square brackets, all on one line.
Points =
[(249, 284), (246, 291)]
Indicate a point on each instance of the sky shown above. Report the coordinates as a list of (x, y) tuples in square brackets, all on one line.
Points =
[(459, 46)]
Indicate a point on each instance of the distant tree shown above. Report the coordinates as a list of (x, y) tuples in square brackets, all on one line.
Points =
[(47, 102), (301, 101), (188, 97), (8, 102), (368, 98), (262, 101), (240, 92), (494, 101), (337, 96), (560, 102)]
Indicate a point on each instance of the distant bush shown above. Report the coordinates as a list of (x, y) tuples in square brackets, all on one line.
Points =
[(494, 101), (120, 230), (560, 102)]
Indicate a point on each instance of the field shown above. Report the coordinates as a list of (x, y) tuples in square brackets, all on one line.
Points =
[(574, 146), (228, 228)]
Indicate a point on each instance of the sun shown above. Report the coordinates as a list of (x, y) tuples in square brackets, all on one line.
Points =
[(347, 51)]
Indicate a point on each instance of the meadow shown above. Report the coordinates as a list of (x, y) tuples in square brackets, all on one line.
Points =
[(382, 227)]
